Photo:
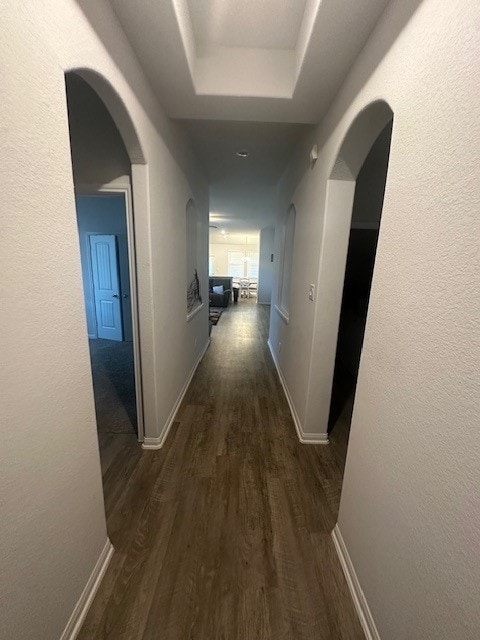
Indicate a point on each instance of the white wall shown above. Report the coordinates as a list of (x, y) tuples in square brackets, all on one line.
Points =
[(220, 254), (370, 185), (266, 266), (104, 214), (53, 523), (228, 71), (408, 513), (98, 153)]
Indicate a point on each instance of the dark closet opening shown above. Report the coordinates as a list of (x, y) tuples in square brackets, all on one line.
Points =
[(362, 246)]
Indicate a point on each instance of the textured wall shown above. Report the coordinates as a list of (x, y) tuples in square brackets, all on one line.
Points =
[(409, 511), (370, 184), (51, 503), (99, 155)]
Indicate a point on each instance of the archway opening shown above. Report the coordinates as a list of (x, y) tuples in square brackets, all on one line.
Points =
[(361, 170), (362, 246), (102, 158)]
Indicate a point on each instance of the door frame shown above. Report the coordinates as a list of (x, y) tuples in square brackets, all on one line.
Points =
[(124, 188)]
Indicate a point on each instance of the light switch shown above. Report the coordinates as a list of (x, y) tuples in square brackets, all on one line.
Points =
[(311, 293)]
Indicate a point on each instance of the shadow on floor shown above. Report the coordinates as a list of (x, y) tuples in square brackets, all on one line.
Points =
[(114, 386), (343, 389)]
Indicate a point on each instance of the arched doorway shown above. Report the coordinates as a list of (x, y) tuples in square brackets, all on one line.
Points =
[(106, 160), (337, 222), (360, 262), (355, 195)]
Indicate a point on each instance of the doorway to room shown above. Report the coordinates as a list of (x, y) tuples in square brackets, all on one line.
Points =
[(233, 269), (104, 251), (362, 245), (102, 172)]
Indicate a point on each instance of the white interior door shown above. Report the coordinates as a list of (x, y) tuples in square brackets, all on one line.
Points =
[(106, 286)]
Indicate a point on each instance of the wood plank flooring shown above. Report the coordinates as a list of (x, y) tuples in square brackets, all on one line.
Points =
[(224, 534)]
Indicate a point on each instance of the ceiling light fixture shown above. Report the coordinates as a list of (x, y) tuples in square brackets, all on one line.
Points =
[(242, 153)]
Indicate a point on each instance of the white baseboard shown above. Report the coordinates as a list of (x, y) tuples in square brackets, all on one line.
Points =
[(157, 443), (358, 597), (305, 438), (88, 594)]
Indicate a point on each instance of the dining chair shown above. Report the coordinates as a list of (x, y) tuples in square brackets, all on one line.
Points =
[(244, 286)]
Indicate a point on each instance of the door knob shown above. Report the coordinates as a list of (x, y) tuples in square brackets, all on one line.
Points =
[(124, 295), (115, 295)]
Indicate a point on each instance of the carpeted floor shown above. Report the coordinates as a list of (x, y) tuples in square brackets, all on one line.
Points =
[(114, 386)]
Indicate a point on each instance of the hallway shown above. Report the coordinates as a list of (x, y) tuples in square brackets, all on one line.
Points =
[(225, 532)]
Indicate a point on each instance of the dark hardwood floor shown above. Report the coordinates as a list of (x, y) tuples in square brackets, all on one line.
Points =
[(225, 532)]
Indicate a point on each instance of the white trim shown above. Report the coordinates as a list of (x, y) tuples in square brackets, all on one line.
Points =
[(305, 438), (193, 313), (118, 184), (157, 443), (123, 186), (88, 256), (282, 313), (88, 594), (358, 597)]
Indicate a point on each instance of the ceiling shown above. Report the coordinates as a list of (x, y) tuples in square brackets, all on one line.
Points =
[(246, 74), (270, 145), (243, 190), (243, 240), (268, 24), (258, 60)]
